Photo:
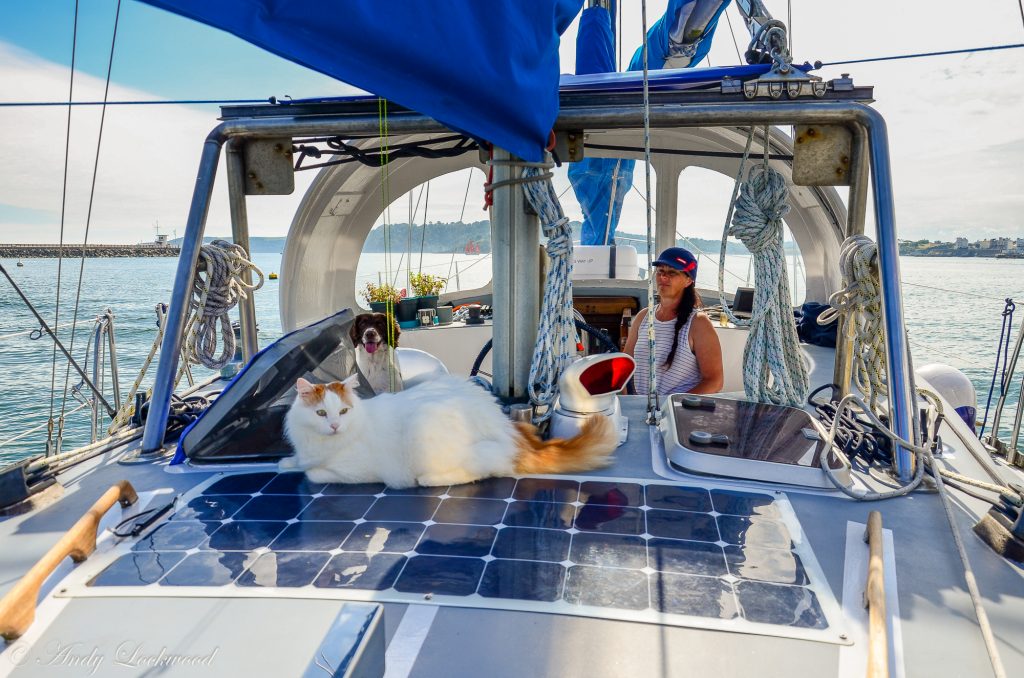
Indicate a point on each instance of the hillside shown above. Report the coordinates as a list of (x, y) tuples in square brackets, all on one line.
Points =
[(454, 236)]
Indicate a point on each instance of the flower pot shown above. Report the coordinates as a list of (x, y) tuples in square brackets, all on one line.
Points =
[(427, 302), (444, 315), (406, 310), (379, 306)]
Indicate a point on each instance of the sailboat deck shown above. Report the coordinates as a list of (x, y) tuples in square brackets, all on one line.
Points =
[(525, 603)]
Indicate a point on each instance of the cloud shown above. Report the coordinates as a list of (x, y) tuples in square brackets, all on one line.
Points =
[(147, 165), (955, 140)]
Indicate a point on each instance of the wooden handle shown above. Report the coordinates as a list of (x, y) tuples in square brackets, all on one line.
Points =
[(874, 601), (18, 607)]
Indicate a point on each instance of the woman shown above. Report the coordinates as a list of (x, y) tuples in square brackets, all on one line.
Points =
[(688, 357)]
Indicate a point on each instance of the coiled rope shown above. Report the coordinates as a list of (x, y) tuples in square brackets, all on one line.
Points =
[(859, 302), (555, 345), (773, 366), (217, 287)]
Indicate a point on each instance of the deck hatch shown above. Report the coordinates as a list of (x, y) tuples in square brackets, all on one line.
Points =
[(622, 549)]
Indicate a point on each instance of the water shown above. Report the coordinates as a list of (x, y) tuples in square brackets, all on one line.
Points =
[(959, 327)]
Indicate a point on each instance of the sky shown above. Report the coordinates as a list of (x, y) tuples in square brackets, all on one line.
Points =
[(956, 141)]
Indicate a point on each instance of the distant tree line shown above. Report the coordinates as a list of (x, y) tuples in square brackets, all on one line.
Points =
[(454, 236)]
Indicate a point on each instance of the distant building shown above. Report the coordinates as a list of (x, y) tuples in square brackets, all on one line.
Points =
[(961, 244), (161, 240)]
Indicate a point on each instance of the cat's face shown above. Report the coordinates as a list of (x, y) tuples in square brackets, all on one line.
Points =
[(326, 409)]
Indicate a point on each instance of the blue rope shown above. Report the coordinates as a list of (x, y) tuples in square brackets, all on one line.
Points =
[(919, 55), (1005, 331)]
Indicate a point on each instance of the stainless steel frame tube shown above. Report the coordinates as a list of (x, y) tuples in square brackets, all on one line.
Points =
[(177, 312), (902, 396), (515, 257), (856, 115), (240, 235)]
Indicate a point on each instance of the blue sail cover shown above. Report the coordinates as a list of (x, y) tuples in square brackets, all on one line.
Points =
[(487, 68), (596, 180), (685, 30)]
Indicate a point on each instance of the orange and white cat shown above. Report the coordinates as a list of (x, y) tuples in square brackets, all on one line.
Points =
[(447, 431)]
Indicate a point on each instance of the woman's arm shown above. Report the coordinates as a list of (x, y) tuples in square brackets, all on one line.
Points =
[(634, 331), (708, 351)]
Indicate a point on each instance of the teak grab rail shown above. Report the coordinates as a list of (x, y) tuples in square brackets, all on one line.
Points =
[(874, 601), (18, 607)]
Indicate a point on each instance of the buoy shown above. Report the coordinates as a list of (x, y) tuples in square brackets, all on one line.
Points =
[(954, 386), (272, 276)]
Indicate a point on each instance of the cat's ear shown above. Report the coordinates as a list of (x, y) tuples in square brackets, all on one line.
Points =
[(351, 383), (303, 386)]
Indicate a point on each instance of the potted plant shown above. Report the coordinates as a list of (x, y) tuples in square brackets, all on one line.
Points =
[(381, 296), (427, 286), (406, 312)]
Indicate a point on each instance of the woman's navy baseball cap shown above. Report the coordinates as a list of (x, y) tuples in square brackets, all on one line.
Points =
[(679, 259)]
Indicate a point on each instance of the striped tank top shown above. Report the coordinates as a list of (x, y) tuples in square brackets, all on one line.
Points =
[(679, 377)]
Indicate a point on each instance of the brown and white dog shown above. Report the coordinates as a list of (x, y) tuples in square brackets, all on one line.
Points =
[(376, 356)]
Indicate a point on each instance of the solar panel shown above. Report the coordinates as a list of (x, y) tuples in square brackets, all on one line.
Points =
[(623, 549)]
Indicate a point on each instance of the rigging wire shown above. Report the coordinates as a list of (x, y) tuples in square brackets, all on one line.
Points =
[(619, 11), (732, 34), (918, 55), (967, 294), (158, 102), (60, 251), (700, 252), (653, 411), (789, 26), (385, 184), (423, 232), (462, 214), (88, 215), (1020, 4), (197, 102)]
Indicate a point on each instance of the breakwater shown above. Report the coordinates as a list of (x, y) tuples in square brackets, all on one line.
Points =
[(74, 251)]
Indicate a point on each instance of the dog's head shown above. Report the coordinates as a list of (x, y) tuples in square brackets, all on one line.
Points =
[(371, 330)]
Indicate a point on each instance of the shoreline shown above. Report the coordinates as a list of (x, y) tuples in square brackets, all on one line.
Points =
[(91, 251)]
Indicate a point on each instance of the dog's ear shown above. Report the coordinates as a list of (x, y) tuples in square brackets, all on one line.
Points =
[(355, 330)]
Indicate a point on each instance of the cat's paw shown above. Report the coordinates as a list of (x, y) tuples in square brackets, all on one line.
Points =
[(445, 478), (288, 464)]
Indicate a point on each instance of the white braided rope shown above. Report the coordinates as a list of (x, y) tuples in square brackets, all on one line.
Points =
[(555, 347), (773, 366), (859, 302), (217, 287)]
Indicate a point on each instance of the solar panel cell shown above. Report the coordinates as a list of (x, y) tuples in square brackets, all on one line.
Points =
[(682, 525), (375, 572), (695, 596), (473, 541), (374, 537), (529, 544), (522, 580), (441, 575), (208, 569), (273, 507), (289, 569), (212, 507), (310, 535)]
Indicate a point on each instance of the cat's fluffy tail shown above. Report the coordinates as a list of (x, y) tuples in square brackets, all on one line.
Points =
[(589, 450)]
